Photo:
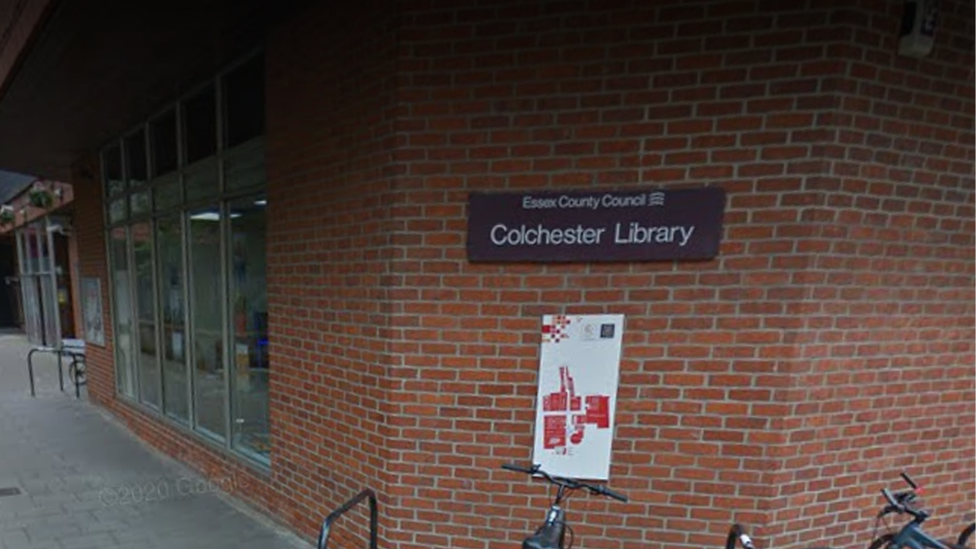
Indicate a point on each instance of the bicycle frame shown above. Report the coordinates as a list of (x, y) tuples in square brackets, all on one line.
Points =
[(913, 537), (552, 533)]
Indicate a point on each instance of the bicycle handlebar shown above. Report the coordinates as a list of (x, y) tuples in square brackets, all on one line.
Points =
[(892, 501), (899, 502), (604, 491), (519, 468), (572, 484), (910, 482)]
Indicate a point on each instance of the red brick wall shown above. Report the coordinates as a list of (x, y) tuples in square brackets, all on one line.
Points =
[(534, 95), (717, 402), (765, 386), (73, 266), (886, 383), (329, 142), (89, 238)]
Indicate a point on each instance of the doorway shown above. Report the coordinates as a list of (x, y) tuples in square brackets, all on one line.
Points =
[(45, 283), (9, 304)]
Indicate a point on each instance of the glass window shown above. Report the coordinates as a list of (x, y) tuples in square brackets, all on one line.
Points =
[(33, 247), (122, 303), (145, 313), (167, 194), (169, 240), (112, 164), (201, 180), (201, 125), (140, 202), (27, 245), (49, 307), (244, 102), (164, 145), (117, 210), (249, 324), (135, 158), (32, 309), (187, 261), (207, 310), (244, 167)]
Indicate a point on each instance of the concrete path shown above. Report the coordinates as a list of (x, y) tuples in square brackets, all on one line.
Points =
[(85, 482)]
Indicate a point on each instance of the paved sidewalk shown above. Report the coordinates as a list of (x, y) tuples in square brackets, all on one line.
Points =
[(86, 482)]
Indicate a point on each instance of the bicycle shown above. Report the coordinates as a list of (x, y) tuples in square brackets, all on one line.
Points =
[(911, 535), (738, 537), (552, 533)]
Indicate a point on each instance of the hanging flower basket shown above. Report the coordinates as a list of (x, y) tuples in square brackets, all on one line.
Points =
[(6, 215), (40, 197)]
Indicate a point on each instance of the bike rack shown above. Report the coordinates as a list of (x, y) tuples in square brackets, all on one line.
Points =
[(327, 525)]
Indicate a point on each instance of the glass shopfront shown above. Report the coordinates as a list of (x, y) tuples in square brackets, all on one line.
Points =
[(185, 211)]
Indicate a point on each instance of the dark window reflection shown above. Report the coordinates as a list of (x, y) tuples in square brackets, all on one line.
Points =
[(169, 245), (201, 125), (145, 314), (206, 307), (112, 165), (163, 134), (244, 101), (135, 158), (249, 302)]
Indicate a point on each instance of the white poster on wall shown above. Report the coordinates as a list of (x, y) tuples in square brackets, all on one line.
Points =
[(579, 369), (91, 309)]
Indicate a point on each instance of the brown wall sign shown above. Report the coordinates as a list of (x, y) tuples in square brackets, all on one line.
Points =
[(646, 225)]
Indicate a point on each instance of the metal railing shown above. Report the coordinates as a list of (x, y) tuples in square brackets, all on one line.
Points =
[(327, 525)]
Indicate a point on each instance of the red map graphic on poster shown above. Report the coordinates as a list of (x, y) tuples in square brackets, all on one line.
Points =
[(566, 415)]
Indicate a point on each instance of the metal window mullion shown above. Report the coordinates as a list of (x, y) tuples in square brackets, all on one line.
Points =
[(220, 125), (19, 237), (150, 176), (28, 237), (124, 170), (107, 198), (189, 344), (39, 238), (156, 288), (37, 273), (112, 267), (25, 266), (230, 408), (53, 279), (188, 354), (134, 328), (22, 277), (180, 153), (223, 207), (113, 318), (157, 284)]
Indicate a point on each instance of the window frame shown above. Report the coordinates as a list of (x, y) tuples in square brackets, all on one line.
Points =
[(223, 198)]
